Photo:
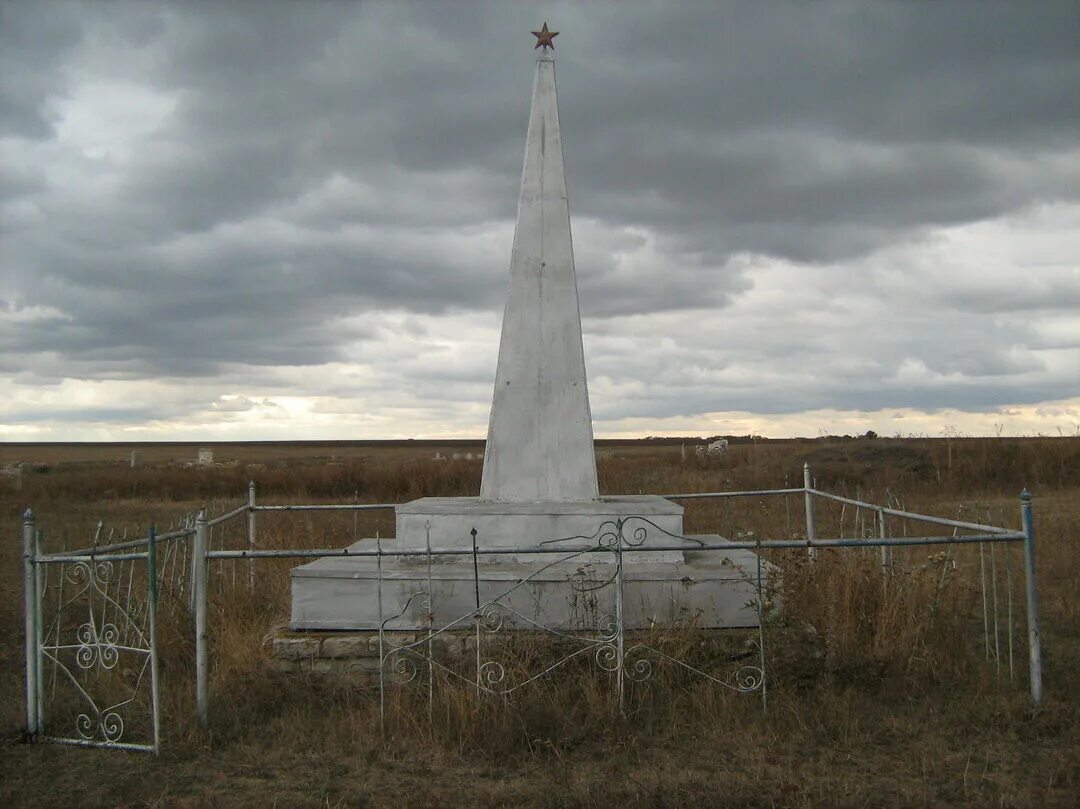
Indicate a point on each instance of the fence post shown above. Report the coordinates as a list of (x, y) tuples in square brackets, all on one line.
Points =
[(200, 618), (807, 486), (251, 534), (886, 552), (1034, 636), (30, 601), (620, 630), (152, 595), (39, 624)]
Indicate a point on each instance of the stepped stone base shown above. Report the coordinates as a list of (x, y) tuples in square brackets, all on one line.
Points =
[(356, 654), (448, 522), (564, 591), (705, 588)]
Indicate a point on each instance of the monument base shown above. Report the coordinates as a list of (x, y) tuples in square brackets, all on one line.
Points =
[(562, 590), (356, 655), (448, 522), (709, 589)]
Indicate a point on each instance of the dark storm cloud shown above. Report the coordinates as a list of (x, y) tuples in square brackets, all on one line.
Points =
[(311, 163), (94, 415), (35, 46)]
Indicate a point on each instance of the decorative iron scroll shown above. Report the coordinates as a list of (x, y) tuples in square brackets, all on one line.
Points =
[(605, 645), (612, 535), (99, 643)]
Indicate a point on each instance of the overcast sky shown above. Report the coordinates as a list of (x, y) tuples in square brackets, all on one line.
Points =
[(241, 220)]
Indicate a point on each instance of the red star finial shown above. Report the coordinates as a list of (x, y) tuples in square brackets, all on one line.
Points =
[(544, 38)]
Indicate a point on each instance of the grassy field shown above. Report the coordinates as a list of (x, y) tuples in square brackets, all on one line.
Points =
[(878, 696)]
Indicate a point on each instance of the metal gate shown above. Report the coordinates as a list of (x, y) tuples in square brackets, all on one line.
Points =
[(91, 645)]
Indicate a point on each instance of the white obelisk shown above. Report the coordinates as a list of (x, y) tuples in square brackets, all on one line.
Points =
[(539, 484), (540, 438)]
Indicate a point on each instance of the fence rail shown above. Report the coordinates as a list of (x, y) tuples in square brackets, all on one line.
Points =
[(183, 571)]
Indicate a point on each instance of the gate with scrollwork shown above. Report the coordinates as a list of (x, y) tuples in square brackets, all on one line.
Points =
[(508, 649), (95, 671)]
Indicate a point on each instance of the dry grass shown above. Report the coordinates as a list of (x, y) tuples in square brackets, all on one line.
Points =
[(879, 696)]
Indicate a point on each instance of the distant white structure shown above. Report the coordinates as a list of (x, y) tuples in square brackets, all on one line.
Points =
[(714, 449), (136, 457), (206, 457)]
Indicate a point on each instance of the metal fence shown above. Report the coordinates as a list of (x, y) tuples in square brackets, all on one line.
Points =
[(92, 614)]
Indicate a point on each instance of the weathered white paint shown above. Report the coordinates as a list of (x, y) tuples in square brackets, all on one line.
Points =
[(449, 521), (711, 589), (540, 439)]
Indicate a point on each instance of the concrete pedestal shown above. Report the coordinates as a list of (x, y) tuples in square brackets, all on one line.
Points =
[(448, 522), (563, 590), (707, 589)]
